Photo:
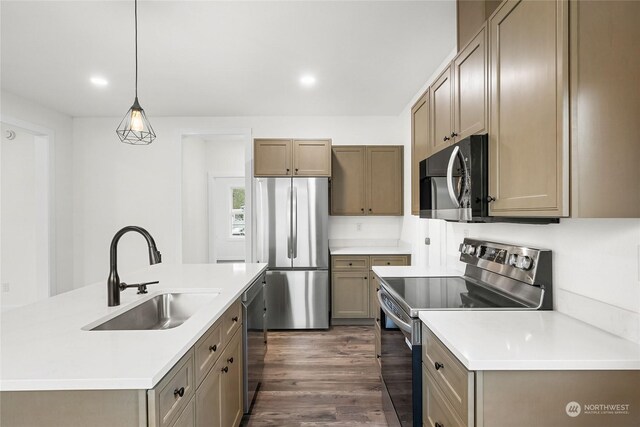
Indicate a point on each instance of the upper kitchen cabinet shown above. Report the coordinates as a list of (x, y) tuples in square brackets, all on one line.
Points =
[(528, 131), (419, 146), (348, 180), (384, 184), (471, 15), (470, 74), (441, 112), (272, 157), (605, 104), (285, 157), (367, 180)]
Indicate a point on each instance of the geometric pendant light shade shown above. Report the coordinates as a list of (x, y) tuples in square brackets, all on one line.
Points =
[(135, 128)]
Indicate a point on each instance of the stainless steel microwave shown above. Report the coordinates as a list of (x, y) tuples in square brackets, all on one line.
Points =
[(454, 185)]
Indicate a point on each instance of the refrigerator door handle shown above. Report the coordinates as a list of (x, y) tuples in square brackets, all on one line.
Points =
[(289, 248), (294, 226)]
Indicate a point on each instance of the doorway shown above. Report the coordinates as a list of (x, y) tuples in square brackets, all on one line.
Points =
[(216, 197), (25, 257), (227, 219)]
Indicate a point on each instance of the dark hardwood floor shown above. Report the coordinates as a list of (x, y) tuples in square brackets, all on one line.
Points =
[(320, 378)]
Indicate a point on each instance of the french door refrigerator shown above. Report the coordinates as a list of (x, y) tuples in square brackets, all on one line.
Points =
[(292, 216)]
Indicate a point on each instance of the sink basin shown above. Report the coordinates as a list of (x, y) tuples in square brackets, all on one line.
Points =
[(164, 311)]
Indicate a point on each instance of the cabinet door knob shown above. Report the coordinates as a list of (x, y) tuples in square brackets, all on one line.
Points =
[(296, 169), (490, 199), (234, 318), (178, 392), (370, 210), (362, 209), (446, 138), (439, 425), (453, 134), (438, 366), (350, 264), (230, 360), (388, 263), (213, 347), (225, 369), (365, 278)]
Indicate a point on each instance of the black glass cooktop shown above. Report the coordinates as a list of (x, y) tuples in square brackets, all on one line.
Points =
[(424, 293)]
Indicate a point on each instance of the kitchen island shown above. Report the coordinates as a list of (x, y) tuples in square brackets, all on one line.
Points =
[(49, 352)]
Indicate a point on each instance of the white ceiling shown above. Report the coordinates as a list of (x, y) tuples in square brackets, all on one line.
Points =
[(215, 58)]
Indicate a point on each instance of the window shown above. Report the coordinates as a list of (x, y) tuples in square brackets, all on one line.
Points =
[(237, 212)]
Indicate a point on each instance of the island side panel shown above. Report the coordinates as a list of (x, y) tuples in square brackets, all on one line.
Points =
[(73, 408), (535, 398)]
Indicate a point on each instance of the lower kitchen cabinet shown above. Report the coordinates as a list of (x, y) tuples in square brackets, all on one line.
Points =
[(455, 396), (350, 294), (354, 286), (219, 397)]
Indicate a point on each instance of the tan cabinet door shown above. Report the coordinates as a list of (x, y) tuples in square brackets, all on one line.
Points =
[(384, 185), (348, 180), (350, 295), (440, 112), (312, 157), (272, 157), (528, 135), (419, 147), (232, 397), (209, 398), (470, 73)]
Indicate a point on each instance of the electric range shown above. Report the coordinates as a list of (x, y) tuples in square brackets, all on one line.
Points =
[(497, 276)]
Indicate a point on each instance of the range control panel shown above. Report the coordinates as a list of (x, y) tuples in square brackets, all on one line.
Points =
[(519, 262)]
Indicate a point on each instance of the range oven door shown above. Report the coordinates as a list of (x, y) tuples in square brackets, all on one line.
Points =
[(400, 361)]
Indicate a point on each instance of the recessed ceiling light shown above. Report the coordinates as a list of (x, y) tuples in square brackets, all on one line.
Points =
[(307, 80), (99, 81)]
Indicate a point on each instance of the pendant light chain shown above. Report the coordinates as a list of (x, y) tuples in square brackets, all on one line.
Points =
[(135, 128)]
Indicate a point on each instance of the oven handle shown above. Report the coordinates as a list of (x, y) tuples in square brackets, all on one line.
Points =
[(401, 324), (452, 160)]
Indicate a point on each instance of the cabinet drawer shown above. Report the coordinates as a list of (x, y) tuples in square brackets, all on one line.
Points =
[(173, 392), (208, 350), (188, 416), (436, 411), (350, 263), (451, 376), (389, 260), (231, 320)]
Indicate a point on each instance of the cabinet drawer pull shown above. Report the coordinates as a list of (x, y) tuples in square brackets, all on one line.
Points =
[(350, 264), (438, 366), (213, 348), (388, 262), (234, 318), (178, 392), (225, 369), (365, 278), (439, 425), (230, 360)]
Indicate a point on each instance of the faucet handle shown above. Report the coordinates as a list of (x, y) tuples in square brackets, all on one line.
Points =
[(142, 287)]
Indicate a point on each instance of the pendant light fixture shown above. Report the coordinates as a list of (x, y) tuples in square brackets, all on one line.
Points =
[(134, 128)]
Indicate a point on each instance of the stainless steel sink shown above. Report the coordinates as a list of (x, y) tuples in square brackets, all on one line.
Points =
[(164, 311)]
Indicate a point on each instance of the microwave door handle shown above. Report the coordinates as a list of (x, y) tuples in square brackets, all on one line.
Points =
[(452, 159)]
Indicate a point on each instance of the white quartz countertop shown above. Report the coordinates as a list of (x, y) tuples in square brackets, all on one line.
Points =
[(529, 340), (44, 346), (416, 271), (370, 250)]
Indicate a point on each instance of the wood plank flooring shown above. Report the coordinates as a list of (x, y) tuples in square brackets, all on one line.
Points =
[(320, 378)]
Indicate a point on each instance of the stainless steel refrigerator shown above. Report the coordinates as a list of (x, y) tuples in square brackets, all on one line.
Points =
[(292, 216)]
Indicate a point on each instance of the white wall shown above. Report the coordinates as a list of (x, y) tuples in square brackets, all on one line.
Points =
[(119, 185), (596, 262), (18, 230), (15, 107)]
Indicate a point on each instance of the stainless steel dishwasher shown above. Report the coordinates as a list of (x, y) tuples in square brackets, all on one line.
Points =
[(254, 316)]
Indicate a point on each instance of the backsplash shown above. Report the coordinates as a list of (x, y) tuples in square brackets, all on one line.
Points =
[(365, 227), (596, 264)]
